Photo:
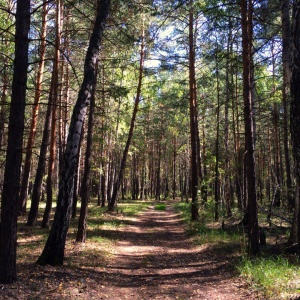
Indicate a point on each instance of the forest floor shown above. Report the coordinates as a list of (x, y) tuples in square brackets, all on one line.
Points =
[(151, 257)]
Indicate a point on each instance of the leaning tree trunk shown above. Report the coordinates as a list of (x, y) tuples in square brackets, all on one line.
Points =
[(85, 185), (53, 252), (295, 93), (11, 185), (119, 180), (38, 181), (247, 35)]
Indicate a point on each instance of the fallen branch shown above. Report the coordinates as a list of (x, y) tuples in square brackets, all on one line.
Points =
[(276, 215)]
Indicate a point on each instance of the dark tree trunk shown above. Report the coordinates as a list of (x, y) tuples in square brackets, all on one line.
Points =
[(11, 185), (217, 172), (286, 60), (85, 185), (37, 186), (76, 178), (53, 252), (295, 103), (193, 118), (247, 32), (34, 118)]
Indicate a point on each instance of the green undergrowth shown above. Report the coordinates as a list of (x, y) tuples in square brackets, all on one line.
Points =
[(276, 277), (102, 232), (160, 206), (206, 231)]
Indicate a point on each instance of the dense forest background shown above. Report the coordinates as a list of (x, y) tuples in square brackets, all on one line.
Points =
[(189, 99)]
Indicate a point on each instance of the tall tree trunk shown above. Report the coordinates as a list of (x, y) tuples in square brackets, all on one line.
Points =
[(54, 102), (295, 103), (247, 33), (85, 185), (227, 198), (217, 172), (11, 185), (117, 184), (53, 252), (38, 182), (193, 118), (286, 60), (34, 116)]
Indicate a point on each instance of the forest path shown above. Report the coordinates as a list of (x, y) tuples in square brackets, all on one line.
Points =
[(149, 257), (155, 259)]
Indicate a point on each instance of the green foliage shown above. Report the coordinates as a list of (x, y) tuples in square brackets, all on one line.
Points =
[(278, 278), (209, 234), (160, 206)]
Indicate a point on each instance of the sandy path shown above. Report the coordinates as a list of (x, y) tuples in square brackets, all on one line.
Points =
[(154, 259)]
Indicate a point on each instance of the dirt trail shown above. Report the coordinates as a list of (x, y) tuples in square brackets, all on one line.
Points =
[(154, 259)]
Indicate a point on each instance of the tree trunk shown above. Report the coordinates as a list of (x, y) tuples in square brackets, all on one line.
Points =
[(38, 182), (11, 185), (286, 60), (54, 96), (53, 252), (85, 185), (193, 119), (117, 184), (34, 116), (295, 103), (217, 173), (247, 32)]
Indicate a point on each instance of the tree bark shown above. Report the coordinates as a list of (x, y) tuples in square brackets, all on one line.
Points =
[(286, 60), (117, 184), (34, 115), (54, 96), (247, 35), (11, 185), (295, 103), (193, 119), (53, 252), (85, 185)]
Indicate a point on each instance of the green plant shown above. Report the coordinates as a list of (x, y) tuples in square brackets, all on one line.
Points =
[(160, 206), (276, 276)]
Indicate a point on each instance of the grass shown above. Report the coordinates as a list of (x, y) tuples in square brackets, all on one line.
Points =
[(206, 230), (277, 277), (101, 229), (160, 206)]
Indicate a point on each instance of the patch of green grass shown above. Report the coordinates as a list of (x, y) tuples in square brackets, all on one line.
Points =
[(160, 206), (132, 207), (278, 278), (204, 233)]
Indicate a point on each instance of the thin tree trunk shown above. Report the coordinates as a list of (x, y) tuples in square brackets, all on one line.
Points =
[(286, 60), (53, 252), (117, 184), (227, 197), (35, 111), (38, 182), (11, 185), (54, 102), (217, 173)]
